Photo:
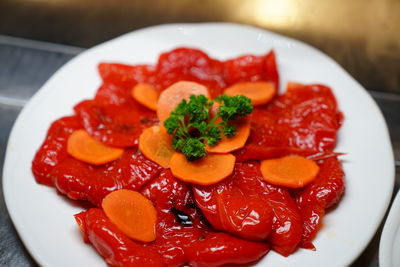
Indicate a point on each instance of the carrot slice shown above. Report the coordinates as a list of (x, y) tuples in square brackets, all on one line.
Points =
[(174, 94), (259, 92), (231, 144), (156, 144), (132, 213), (207, 170), (82, 146), (146, 94), (289, 171)]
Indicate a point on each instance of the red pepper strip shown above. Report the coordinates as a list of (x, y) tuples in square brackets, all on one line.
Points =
[(190, 65), (192, 240), (245, 205), (304, 117), (113, 245), (81, 181), (257, 152), (219, 248), (251, 68), (187, 239), (54, 148), (125, 75), (115, 125), (324, 192)]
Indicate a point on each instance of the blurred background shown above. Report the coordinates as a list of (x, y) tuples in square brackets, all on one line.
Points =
[(362, 35), (39, 36)]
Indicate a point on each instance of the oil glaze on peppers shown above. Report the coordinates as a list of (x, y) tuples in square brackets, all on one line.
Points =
[(236, 220)]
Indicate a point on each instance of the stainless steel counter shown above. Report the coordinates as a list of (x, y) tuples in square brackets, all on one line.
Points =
[(25, 65)]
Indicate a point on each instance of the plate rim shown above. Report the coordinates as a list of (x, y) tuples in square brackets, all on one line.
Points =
[(390, 228)]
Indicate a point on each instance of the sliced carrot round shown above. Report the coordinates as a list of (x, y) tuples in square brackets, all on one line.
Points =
[(82, 146), (207, 170), (259, 92), (289, 171), (146, 94), (173, 95), (132, 213), (231, 144), (156, 144)]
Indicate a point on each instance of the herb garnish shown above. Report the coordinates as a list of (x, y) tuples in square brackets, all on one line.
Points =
[(192, 126)]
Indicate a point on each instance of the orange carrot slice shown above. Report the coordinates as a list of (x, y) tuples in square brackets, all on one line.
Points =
[(289, 171), (231, 144), (207, 170), (82, 146), (132, 213), (259, 92), (174, 94), (156, 144), (146, 94)]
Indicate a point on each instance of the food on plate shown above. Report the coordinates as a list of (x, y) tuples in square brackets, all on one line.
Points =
[(229, 144), (252, 209), (115, 125), (193, 124), (174, 94), (156, 144), (324, 192), (82, 146), (260, 93), (146, 94), (207, 170), (197, 161), (289, 171), (132, 213)]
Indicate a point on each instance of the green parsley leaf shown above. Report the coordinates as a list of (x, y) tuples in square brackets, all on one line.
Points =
[(233, 107), (230, 130), (192, 126)]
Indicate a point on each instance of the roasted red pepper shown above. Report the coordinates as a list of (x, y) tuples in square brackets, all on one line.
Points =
[(255, 214), (115, 125), (113, 245), (250, 68), (176, 243), (305, 117), (256, 152), (54, 148), (190, 65), (82, 181), (247, 206), (324, 192), (126, 76)]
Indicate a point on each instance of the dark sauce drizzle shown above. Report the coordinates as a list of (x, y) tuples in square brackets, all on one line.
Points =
[(181, 217)]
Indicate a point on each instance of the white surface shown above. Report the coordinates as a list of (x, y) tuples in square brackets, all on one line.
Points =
[(45, 220), (389, 247)]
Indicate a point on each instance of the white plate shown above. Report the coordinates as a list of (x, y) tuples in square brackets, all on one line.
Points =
[(389, 246), (45, 220)]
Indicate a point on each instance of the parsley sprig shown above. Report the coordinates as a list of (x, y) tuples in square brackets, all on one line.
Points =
[(192, 126)]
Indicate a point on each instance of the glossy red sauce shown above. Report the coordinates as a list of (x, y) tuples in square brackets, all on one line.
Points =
[(234, 221)]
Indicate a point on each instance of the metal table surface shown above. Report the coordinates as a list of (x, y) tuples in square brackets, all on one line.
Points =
[(25, 65)]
